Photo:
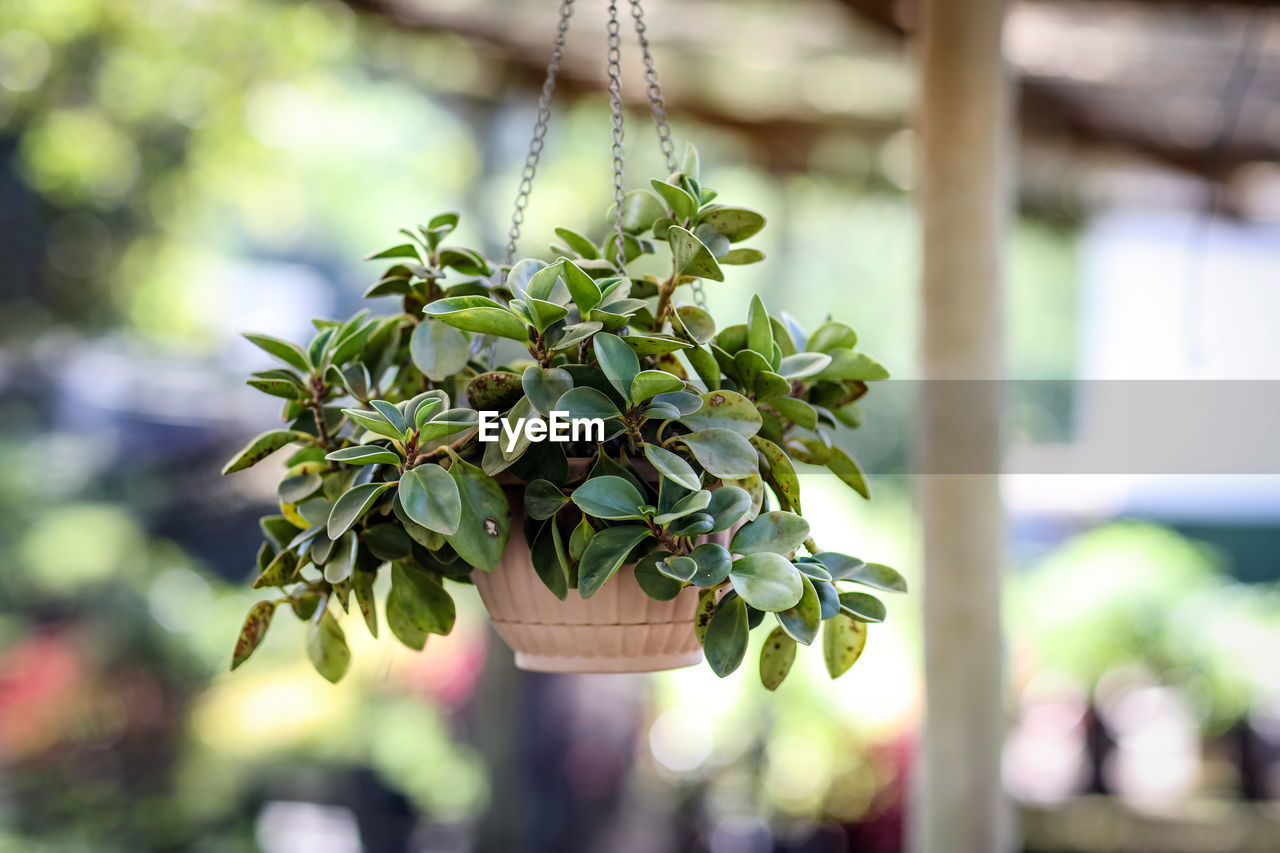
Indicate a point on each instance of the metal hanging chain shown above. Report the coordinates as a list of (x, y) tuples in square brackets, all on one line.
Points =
[(615, 105), (659, 110), (656, 105), (539, 131)]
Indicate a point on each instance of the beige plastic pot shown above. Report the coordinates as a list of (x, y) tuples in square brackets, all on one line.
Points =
[(619, 629)]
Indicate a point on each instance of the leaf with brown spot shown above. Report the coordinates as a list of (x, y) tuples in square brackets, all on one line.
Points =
[(781, 475), (776, 657), (254, 629), (843, 639), (262, 446), (702, 616), (283, 569), (362, 586)]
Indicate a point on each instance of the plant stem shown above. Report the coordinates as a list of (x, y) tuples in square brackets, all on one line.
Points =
[(665, 291)]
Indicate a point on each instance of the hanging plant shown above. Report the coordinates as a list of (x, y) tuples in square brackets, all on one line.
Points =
[(677, 497)]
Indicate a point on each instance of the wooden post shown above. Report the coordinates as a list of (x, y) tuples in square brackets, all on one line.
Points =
[(963, 160)]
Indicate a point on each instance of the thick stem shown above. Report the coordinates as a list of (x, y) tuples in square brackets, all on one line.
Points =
[(665, 291)]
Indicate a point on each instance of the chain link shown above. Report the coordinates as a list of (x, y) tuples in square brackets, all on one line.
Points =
[(656, 105), (615, 106), (539, 131)]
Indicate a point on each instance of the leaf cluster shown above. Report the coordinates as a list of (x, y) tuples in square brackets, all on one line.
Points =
[(694, 482)]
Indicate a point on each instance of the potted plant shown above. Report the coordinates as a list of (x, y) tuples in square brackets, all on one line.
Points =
[(622, 490)]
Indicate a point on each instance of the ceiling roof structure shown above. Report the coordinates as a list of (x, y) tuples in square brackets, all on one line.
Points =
[(1146, 97)]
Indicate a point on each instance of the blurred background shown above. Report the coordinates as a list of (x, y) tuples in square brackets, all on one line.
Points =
[(175, 171)]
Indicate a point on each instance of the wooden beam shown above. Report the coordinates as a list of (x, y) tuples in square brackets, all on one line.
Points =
[(964, 162)]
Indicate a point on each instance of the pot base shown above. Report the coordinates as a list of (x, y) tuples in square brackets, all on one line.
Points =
[(647, 663)]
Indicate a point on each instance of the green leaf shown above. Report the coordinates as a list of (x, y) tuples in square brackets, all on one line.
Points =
[(545, 313), (655, 584), (842, 465), (830, 336), (863, 607), (803, 364), (767, 581), (777, 532), (735, 223), (576, 334), (651, 383), (696, 323), (640, 209), (691, 257), (722, 452), (404, 250), (584, 402), (262, 446), (327, 648), (681, 203), (813, 570), (759, 332), (725, 410), (714, 564), (342, 560), (420, 601), (678, 568), (429, 496), (704, 366), (618, 361), (419, 408), (843, 640), (437, 349), (375, 422), (485, 524), (549, 560), (609, 497), (605, 554), (544, 281), (349, 508), (691, 503), (479, 314), (364, 454), (728, 506), (741, 257), (803, 621), (846, 365), (747, 364), (828, 597), (447, 423), (583, 290), (655, 344), (580, 538), (876, 576), (767, 385), (672, 467), (578, 243), (542, 499), (797, 411), (387, 542), (725, 644), (782, 474), (521, 273), (298, 487), (253, 631), (286, 351), (776, 656), (277, 388), (681, 402), (694, 524)]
